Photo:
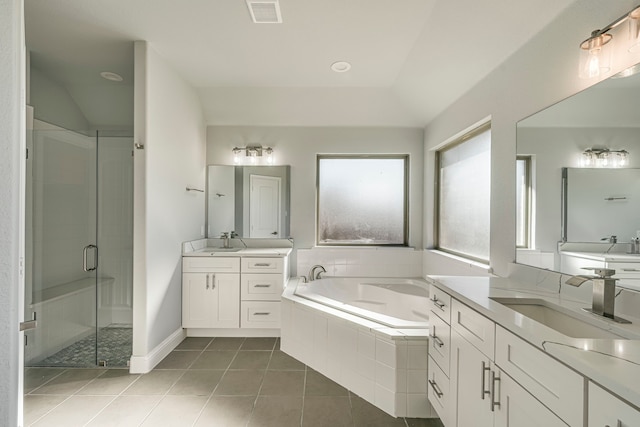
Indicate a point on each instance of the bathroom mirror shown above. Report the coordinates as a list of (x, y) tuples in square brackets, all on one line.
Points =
[(602, 116), (253, 201)]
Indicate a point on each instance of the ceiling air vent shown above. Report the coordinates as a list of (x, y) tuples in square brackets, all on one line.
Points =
[(265, 11)]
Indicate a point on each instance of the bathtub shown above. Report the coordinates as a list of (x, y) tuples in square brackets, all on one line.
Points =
[(393, 302), (369, 335)]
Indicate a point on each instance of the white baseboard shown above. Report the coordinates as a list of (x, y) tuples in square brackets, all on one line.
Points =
[(144, 364), (239, 332)]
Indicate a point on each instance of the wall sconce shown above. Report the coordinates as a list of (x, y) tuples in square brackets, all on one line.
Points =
[(254, 154), (604, 158), (595, 52)]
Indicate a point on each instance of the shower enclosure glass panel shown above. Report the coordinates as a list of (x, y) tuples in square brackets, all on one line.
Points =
[(78, 233)]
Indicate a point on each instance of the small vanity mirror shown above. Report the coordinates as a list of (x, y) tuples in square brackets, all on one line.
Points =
[(252, 201), (568, 198)]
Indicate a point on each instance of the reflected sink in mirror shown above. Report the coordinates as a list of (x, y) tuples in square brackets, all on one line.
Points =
[(555, 317)]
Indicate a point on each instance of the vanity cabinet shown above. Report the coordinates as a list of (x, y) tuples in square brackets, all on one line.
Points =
[(210, 292), (478, 391), (438, 366), (606, 410), (263, 280)]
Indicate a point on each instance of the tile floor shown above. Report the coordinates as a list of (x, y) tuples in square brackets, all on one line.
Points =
[(204, 382)]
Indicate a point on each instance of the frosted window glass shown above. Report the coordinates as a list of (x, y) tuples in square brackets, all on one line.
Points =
[(464, 197), (361, 201)]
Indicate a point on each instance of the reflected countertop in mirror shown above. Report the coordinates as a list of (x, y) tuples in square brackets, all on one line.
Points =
[(602, 116)]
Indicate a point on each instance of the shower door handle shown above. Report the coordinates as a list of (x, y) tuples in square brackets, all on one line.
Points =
[(85, 262)]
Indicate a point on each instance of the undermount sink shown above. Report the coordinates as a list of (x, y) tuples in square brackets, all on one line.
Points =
[(215, 250), (555, 317)]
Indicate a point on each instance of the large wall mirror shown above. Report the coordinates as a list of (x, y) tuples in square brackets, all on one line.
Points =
[(566, 206), (252, 201)]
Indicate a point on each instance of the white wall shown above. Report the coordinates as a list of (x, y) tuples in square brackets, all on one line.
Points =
[(169, 123), (12, 150), (53, 104), (298, 147), (543, 72)]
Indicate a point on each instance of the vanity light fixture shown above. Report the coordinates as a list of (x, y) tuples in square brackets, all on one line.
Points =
[(604, 158), (595, 52), (254, 154)]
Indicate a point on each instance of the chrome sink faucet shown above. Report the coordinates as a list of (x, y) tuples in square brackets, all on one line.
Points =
[(312, 273), (225, 239), (604, 292)]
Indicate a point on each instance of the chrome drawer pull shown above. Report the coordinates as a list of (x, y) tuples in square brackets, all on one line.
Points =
[(436, 302), (262, 313), (262, 264), (435, 388), (261, 286), (436, 340)]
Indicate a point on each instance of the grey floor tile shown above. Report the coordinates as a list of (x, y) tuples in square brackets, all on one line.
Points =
[(125, 411), (214, 360), (319, 385), (35, 377), (251, 360), (424, 422), (283, 383), (178, 360), (226, 411), (258, 344), (69, 382), (226, 343), (112, 381), (197, 383), (321, 411), (37, 405), (155, 382), (240, 383), (366, 415), (75, 411), (283, 362), (175, 411), (277, 411), (194, 343)]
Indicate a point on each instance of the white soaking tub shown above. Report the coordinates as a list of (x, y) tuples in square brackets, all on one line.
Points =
[(369, 335)]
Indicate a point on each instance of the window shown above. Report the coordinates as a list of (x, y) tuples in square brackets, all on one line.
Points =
[(362, 200), (523, 202), (463, 195)]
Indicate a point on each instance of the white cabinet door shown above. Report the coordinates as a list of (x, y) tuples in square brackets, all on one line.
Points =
[(606, 410), (470, 384), (210, 300), (518, 408), (197, 301)]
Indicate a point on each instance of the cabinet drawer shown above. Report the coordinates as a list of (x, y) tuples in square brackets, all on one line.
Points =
[(262, 265), (258, 314), (438, 392), (555, 385), (439, 342), (474, 327), (607, 410), (197, 264), (440, 303), (261, 286)]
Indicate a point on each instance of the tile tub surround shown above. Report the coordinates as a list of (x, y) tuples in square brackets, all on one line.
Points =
[(363, 262), (614, 364), (386, 367), (197, 388)]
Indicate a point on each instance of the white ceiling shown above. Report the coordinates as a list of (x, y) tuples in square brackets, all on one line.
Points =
[(410, 58)]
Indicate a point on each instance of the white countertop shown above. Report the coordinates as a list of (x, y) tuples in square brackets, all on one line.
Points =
[(606, 257), (244, 252), (612, 363)]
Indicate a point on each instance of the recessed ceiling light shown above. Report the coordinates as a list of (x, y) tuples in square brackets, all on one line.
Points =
[(108, 75), (341, 66)]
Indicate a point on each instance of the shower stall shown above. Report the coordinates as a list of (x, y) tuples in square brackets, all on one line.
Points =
[(79, 247)]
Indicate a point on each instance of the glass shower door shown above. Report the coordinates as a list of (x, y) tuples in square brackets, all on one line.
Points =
[(62, 251)]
